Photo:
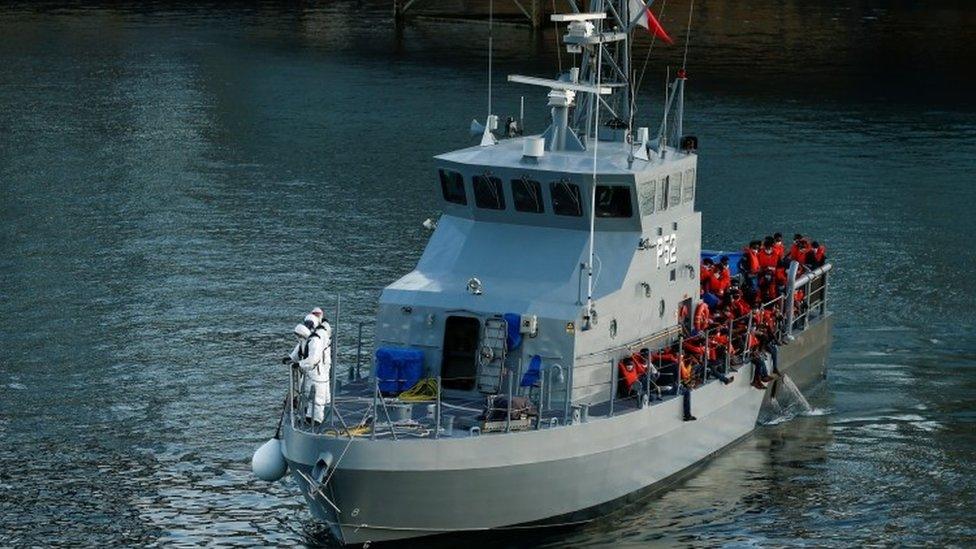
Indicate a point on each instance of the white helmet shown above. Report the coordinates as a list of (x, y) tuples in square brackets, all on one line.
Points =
[(302, 331)]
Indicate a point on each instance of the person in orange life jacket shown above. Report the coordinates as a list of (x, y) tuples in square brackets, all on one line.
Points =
[(816, 255), (695, 347), (760, 371), (738, 307), (706, 272), (768, 258), (677, 372), (632, 369), (684, 387), (719, 283), (778, 246), (798, 252), (749, 267)]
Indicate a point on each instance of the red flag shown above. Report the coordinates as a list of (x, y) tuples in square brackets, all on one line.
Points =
[(650, 22), (655, 28)]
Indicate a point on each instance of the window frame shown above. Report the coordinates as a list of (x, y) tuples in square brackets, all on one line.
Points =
[(443, 174), (527, 184), (674, 195), (499, 188), (688, 186), (625, 190), (571, 189)]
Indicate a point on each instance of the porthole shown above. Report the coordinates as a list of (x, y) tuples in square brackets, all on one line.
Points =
[(660, 311), (613, 328)]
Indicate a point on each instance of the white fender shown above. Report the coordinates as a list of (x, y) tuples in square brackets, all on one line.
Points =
[(268, 463)]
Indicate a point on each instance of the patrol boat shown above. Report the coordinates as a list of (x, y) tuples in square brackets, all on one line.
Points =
[(494, 399)]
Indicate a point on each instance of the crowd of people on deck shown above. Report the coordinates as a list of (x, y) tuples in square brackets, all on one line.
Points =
[(735, 314)]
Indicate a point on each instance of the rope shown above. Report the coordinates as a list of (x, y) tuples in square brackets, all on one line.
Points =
[(691, 8), (647, 58), (424, 391)]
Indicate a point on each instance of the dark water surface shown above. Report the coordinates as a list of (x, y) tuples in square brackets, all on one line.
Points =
[(178, 183)]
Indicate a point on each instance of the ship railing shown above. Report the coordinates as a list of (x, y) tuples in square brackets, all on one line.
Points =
[(369, 413), (813, 286), (737, 330)]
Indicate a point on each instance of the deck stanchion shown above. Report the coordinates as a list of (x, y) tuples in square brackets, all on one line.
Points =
[(508, 413), (728, 350), (542, 395), (354, 375), (745, 342), (705, 354), (291, 395), (335, 362), (437, 410), (567, 404), (376, 391), (613, 385)]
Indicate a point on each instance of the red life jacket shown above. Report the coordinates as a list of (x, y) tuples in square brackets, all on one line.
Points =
[(753, 259), (779, 250), (719, 282), (704, 275), (664, 357), (631, 369), (768, 260), (739, 307), (798, 253), (694, 346), (820, 254)]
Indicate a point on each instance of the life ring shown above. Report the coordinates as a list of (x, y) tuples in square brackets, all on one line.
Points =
[(702, 314)]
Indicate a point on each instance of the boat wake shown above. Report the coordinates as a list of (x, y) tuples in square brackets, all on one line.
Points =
[(788, 403)]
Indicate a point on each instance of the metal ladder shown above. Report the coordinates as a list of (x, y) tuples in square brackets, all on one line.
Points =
[(491, 355)]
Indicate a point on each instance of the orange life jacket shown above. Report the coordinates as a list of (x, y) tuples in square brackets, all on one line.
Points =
[(704, 275), (739, 307), (753, 258), (719, 282), (685, 370), (768, 260), (631, 369), (779, 250), (799, 253), (820, 254)]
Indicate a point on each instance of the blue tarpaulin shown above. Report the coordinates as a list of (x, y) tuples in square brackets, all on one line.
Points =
[(514, 337), (398, 369), (531, 376)]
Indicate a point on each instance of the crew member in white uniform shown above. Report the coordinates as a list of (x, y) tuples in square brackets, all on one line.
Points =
[(314, 358)]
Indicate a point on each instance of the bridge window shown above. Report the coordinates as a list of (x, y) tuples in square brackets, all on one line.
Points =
[(452, 187), (488, 192), (613, 201), (646, 196), (566, 199), (674, 194), (688, 189), (527, 195)]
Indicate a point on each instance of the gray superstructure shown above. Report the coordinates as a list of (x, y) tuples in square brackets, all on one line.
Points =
[(589, 283)]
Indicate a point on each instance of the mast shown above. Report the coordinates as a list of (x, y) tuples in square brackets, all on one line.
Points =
[(615, 50)]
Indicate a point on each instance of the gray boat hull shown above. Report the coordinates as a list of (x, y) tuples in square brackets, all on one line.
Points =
[(388, 490)]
